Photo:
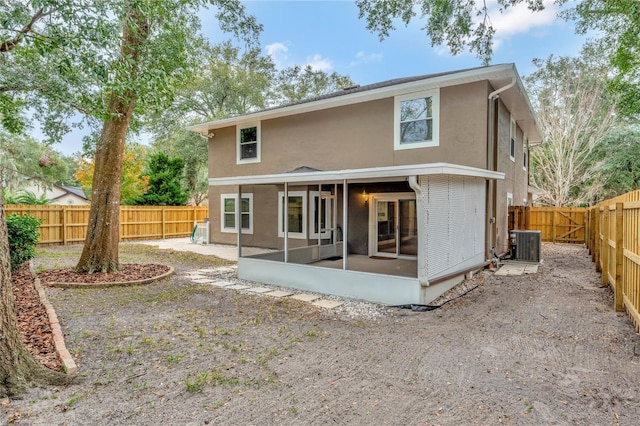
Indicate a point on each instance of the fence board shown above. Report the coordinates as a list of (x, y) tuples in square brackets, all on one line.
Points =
[(68, 224), (556, 224)]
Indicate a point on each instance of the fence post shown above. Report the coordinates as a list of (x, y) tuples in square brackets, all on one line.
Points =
[(163, 223), (64, 225), (594, 233), (619, 303), (598, 245), (527, 217), (606, 218)]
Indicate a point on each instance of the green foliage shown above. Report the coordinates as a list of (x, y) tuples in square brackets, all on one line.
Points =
[(296, 83), (23, 238), (26, 197), (619, 160), (456, 24), (165, 183)]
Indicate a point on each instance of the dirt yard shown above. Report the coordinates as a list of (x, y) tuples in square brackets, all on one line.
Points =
[(533, 350)]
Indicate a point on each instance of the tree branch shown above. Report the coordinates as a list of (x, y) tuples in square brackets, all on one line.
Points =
[(9, 45)]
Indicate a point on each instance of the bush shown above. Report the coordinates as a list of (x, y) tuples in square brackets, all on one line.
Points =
[(23, 238)]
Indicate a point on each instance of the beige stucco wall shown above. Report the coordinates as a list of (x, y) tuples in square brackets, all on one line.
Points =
[(361, 136)]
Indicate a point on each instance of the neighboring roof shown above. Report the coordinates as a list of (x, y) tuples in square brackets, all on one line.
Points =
[(75, 190), (377, 173), (498, 76)]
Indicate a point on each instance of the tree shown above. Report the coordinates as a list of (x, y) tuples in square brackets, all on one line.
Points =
[(575, 112), (192, 148), (450, 22), (18, 368), (151, 62), (24, 159), (133, 182), (619, 156), (165, 177), (618, 25), (296, 83)]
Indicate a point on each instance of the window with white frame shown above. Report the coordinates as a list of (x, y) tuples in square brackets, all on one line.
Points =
[(416, 119), (525, 151), (512, 140), (248, 143), (228, 210), (509, 199), (320, 204), (296, 212)]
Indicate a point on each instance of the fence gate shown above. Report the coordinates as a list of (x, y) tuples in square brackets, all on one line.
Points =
[(557, 224)]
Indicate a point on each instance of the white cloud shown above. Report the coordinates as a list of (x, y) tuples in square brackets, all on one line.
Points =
[(278, 53), (365, 58), (318, 63), (520, 20)]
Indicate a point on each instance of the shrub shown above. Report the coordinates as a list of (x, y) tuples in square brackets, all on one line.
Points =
[(23, 237)]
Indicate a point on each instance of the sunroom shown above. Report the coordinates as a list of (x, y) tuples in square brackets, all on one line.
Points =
[(394, 235)]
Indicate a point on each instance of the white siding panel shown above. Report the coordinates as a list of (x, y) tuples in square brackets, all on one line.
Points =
[(453, 223)]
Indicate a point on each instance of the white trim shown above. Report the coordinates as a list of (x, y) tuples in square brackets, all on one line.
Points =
[(239, 128), (525, 154), (234, 197), (373, 221), (351, 174), (298, 235), (435, 120), (328, 212)]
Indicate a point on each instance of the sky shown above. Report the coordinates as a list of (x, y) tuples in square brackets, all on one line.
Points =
[(329, 36)]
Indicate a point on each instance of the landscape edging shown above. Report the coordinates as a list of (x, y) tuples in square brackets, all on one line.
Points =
[(114, 284), (68, 363)]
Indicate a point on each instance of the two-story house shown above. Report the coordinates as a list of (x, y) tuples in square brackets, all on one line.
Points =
[(388, 192)]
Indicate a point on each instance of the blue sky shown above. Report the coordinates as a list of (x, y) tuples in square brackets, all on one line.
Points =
[(329, 36)]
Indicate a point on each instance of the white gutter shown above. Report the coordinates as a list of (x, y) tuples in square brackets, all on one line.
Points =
[(422, 267), (496, 93)]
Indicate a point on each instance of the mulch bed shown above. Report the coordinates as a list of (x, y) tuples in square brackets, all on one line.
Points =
[(33, 322)]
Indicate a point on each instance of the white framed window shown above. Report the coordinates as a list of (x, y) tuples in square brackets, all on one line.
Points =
[(248, 143), (509, 199), (525, 152), (228, 209), (416, 120), (297, 214), (320, 204), (512, 140)]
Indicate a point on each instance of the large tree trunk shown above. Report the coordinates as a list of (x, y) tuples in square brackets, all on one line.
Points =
[(100, 252), (18, 368)]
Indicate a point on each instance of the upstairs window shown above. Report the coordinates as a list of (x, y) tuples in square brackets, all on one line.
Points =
[(416, 120), (525, 161), (512, 140), (248, 148)]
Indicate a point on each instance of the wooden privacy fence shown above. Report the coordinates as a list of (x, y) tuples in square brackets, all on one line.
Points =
[(556, 224), (613, 239), (68, 224)]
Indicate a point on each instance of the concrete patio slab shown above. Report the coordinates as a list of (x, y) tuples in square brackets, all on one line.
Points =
[(221, 283), (259, 289), (279, 293), (304, 297), (238, 287), (327, 304)]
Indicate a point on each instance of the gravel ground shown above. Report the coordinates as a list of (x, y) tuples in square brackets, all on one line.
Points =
[(536, 349)]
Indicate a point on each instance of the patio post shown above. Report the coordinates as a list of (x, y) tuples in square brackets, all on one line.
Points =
[(239, 220), (345, 208), (286, 222)]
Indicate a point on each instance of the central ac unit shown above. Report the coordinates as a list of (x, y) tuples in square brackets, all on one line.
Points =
[(525, 245)]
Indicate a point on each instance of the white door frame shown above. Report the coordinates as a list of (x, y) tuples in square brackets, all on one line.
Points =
[(373, 222)]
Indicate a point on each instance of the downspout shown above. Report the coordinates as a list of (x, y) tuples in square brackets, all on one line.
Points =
[(422, 232), (492, 164)]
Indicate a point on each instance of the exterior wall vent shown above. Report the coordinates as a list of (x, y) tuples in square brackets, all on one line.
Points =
[(525, 245)]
